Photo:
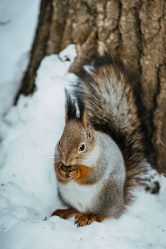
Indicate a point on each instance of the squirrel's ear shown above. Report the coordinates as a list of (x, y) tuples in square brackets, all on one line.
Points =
[(84, 120)]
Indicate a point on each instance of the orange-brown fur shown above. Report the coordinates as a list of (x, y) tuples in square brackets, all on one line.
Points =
[(83, 174), (65, 213), (79, 175)]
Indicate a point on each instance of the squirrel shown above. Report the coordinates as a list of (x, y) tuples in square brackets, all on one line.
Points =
[(102, 154)]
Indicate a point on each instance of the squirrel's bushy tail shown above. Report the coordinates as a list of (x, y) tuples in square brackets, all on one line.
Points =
[(114, 106)]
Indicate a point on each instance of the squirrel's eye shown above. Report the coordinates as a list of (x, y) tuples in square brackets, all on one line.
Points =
[(82, 147), (59, 143)]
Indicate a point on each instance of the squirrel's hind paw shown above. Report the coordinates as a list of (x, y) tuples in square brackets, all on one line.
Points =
[(65, 213), (83, 219)]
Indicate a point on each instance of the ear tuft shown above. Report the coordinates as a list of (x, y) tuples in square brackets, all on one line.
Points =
[(83, 115), (71, 111), (70, 107)]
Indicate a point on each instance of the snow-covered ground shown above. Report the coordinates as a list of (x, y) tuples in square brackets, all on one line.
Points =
[(18, 19), (28, 134), (28, 191)]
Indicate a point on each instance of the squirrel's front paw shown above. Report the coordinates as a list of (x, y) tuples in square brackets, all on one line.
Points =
[(74, 174), (65, 173)]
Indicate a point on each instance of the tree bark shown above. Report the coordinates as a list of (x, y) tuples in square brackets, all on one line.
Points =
[(132, 30)]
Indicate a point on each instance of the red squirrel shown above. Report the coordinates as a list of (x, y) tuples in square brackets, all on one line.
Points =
[(101, 156)]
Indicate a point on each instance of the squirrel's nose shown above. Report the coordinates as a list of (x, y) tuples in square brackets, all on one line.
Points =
[(68, 162), (65, 162)]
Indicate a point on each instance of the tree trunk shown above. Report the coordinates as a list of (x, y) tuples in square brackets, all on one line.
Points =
[(132, 30)]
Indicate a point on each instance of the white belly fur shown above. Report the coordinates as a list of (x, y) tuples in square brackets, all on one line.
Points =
[(78, 196)]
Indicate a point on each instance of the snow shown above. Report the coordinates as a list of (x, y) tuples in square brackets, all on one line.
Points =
[(18, 21), (28, 188)]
